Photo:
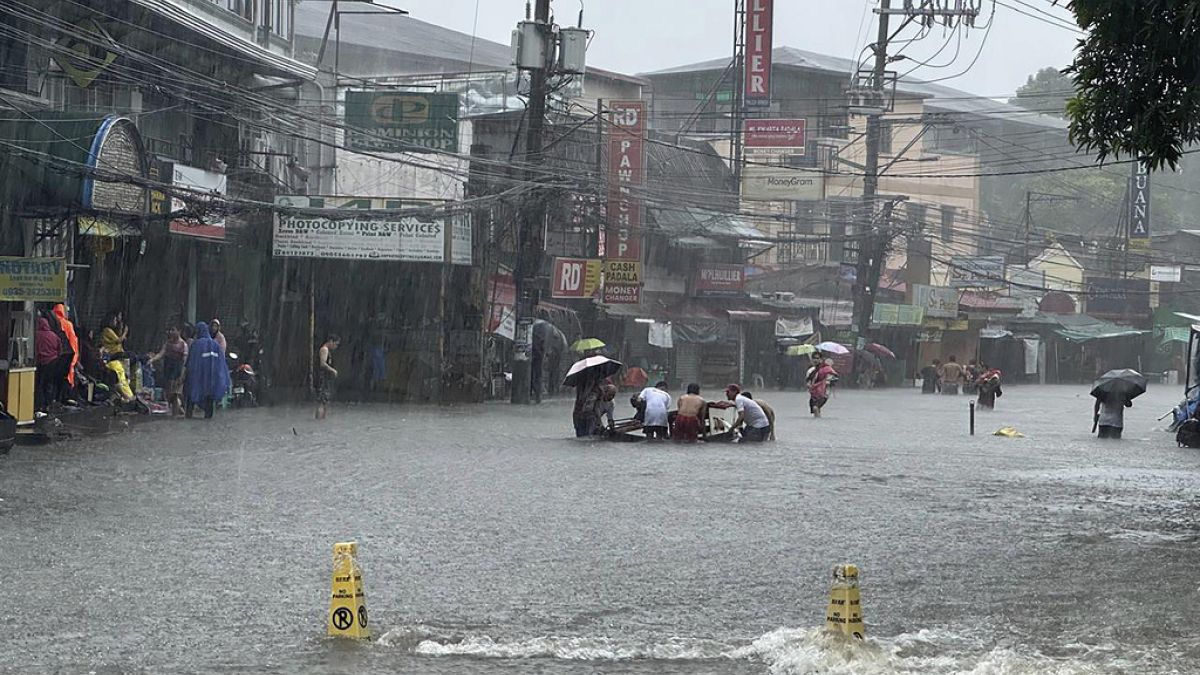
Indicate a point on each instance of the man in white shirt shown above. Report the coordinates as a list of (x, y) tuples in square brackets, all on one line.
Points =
[(750, 414), (657, 402)]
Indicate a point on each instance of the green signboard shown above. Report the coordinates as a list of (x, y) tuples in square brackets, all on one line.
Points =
[(401, 121)]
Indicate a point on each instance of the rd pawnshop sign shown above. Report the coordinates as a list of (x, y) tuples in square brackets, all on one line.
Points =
[(575, 278), (342, 235), (626, 174), (401, 121)]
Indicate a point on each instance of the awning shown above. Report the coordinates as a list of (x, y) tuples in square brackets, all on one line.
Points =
[(1174, 334), (1100, 331), (749, 315), (90, 226)]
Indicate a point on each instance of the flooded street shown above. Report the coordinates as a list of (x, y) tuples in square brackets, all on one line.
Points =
[(492, 543)]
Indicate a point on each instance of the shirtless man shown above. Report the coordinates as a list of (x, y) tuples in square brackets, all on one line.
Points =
[(690, 418)]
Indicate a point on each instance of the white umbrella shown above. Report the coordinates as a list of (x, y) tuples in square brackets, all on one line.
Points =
[(597, 366), (832, 348)]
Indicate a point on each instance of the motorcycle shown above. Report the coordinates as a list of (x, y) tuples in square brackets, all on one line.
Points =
[(244, 382)]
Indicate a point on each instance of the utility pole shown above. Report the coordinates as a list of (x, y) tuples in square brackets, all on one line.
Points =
[(873, 241), (533, 216)]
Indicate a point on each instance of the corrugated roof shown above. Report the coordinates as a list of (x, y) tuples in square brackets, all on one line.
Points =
[(944, 98)]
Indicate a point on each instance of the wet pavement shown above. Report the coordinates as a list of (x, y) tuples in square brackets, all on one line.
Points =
[(492, 543)]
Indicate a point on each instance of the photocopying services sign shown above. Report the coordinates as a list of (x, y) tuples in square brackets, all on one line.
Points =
[(719, 280), (784, 137), (342, 235), (626, 174), (937, 301), (575, 278), (760, 16), (35, 279), (1139, 206), (622, 282), (779, 184), (401, 121), (977, 272)]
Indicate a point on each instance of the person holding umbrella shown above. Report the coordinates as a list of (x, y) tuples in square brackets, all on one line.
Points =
[(587, 376), (1115, 391)]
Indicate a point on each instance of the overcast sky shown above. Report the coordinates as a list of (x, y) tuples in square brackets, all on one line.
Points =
[(634, 36)]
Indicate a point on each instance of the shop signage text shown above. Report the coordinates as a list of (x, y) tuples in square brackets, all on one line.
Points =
[(34, 279), (1169, 273), (401, 121), (626, 174), (338, 236), (717, 280), (575, 278), (760, 15), (786, 136), (1139, 206), (938, 301), (772, 183)]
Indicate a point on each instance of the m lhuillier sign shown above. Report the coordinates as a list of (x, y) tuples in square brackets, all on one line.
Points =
[(1139, 206), (760, 15)]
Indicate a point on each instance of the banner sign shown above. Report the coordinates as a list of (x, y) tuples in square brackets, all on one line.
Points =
[(623, 282), (778, 184), (938, 301), (760, 15), (34, 279), (339, 236), (774, 136), (191, 216), (887, 314), (575, 278), (401, 121), (502, 298), (1117, 297), (719, 280), (1139, 206), (626, 173), (984, 271), (1171, 274)]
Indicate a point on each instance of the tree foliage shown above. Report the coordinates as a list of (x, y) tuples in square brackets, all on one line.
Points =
[(1136, 75), (1046, 91)]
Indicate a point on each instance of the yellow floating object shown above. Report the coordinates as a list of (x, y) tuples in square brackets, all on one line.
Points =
[(1009, 432), (844, 614), (347, 602)]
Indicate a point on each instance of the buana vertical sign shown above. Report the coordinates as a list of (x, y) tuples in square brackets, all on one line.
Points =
[(1139, 206)]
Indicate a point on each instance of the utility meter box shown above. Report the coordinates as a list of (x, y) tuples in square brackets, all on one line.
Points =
[(572, 50)]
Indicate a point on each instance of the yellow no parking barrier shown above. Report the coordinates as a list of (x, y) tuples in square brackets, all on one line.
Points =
[(844, 614), (347, 602)]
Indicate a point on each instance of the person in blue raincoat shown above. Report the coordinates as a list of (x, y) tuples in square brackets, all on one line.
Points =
[(207, 376)]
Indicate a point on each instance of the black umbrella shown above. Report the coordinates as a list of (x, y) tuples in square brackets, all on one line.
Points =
[(1125, 383)]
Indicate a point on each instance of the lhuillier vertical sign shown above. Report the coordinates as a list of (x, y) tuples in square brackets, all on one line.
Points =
[(760, 16), (1139, 206)]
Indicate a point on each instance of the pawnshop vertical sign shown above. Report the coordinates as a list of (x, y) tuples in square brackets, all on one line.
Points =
[(760, 17), (626, 173)]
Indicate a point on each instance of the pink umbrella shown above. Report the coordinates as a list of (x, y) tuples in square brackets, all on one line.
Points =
[(879, 350)]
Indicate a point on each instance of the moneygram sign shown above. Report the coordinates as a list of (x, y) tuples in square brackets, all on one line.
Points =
[(401, 121), (781, 184)]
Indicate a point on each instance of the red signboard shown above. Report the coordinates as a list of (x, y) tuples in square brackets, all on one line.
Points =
[(712, 279), (622, 294), (760, 15), (575, 278), (502, 297), (626, 174), (776, 134)]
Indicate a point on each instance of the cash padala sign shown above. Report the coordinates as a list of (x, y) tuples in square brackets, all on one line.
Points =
[(35, 279)]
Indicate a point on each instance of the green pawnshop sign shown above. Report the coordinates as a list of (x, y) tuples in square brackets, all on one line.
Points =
[(401, 121)]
